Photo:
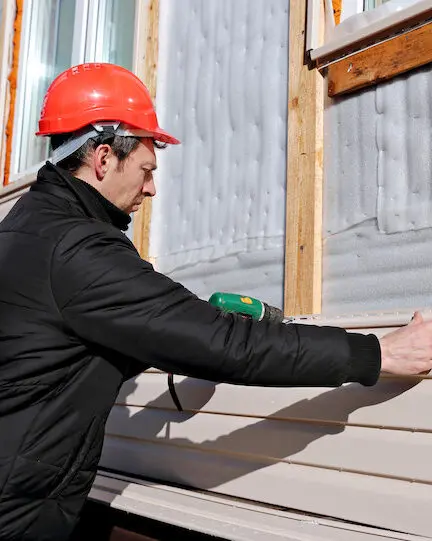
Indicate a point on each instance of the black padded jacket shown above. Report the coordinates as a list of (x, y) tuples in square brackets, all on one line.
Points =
[(80, 312)]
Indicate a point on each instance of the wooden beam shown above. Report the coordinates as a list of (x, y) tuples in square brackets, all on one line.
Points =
[(381, 62), (13, 81), (142, 218), (337, 10), (303, 255)]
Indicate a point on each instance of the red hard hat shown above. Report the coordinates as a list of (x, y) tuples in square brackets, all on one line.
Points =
[(97, 92)]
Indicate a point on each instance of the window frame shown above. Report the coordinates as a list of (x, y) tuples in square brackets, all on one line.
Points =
[(376, 3), (355, 7), (88, 15), (20, 95), (382, 29), (370, 54)]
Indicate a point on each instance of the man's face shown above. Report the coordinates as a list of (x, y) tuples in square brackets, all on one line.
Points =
[(126, 184)]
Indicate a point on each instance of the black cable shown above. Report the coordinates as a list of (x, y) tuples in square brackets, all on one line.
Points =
[(173, 393)]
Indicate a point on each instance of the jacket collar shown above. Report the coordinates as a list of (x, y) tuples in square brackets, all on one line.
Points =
[(57, 181)]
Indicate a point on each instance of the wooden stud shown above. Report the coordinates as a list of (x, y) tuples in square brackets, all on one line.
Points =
[(337, 10), (142, 218), (303, 255), (381, 62), (13, 81)]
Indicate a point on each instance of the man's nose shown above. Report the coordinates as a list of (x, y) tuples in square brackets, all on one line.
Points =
[(149, 189)]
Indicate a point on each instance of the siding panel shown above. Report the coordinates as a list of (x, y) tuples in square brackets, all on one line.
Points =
[(353, 453)]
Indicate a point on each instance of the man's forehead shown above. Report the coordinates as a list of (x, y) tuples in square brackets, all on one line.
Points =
[(146, 150)]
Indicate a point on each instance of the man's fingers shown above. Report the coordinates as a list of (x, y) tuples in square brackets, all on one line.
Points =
[(416, 319), (408, 350), (423, 367)]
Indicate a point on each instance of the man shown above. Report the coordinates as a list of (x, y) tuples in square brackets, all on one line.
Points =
[(80, 311)]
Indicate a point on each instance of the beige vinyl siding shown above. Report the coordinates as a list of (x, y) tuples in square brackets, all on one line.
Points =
[(354, 453)]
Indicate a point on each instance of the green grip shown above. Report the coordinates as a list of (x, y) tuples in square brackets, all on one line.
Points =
[(240, 304)]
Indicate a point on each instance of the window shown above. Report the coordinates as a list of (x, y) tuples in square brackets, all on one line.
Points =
[(57, 34), (372, 4), (362, 22), (375, 41), (354, 7), (367, 5)]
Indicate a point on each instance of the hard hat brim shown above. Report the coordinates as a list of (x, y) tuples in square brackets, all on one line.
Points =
[(164, 137)]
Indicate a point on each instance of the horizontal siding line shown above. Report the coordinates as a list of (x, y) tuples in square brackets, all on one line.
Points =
[(298, 420), (269, 459)]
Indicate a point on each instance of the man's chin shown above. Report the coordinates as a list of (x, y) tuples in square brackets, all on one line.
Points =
[(135, 208)]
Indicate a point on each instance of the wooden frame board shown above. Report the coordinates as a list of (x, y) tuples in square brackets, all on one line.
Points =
[(303, 252), (381, 62), (337, 10), (142, 218), (13, 82)]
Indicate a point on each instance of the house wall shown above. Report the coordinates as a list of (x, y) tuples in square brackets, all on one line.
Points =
[(356, 454), (218, 219), (352, 453), (378, 197)]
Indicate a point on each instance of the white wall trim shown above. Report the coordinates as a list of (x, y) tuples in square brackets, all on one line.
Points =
[(313, 20), (19, 185), (225, 517), (141, 21)]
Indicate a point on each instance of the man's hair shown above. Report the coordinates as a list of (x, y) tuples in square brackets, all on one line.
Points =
[(121, 146)]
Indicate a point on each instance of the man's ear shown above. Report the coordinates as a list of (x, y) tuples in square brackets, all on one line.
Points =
[(101, 160)]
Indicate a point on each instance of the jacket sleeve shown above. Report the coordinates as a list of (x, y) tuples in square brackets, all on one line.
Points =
[(110, 297)]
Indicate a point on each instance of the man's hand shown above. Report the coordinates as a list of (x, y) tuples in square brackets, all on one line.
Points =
[(408, 350)]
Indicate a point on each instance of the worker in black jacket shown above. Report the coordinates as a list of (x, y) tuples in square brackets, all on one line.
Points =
[(80, 311)]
